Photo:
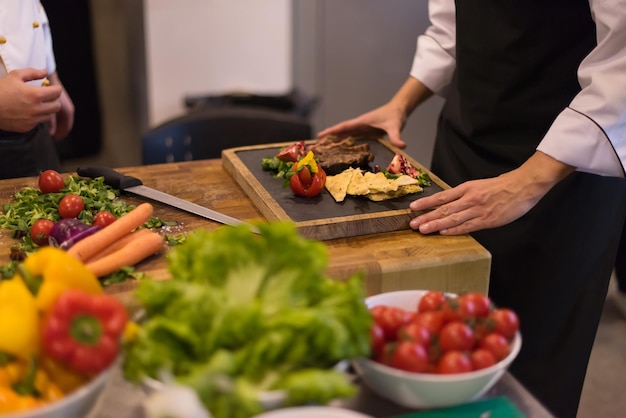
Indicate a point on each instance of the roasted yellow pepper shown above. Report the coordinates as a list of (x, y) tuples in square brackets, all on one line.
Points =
[(23, 386), (19, 319), (66, 380), (58, 272), (11, 401)]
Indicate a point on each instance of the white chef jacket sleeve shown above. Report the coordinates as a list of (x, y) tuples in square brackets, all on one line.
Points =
[(591, 133), (435, 55), (51, 65)]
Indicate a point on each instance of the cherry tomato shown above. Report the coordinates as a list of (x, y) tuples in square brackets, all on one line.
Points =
[(409, 356), (432, 320), (103, 219), (497, 344), (385, 354), (391, 320), (481, 302), (50, 181), (482, 327), (454, 362), (482, 358), (431, 301), (415, 332), (458, 309), (40, 231), (456, 335), (377, 336), (306, 184), (505, 321), (71, 206), (377, 311)]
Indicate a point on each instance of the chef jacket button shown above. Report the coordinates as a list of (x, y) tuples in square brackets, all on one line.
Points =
[(3, 40), (35, 25)]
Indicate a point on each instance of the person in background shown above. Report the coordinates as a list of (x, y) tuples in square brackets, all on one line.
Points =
[(532, 137), (35, 109)]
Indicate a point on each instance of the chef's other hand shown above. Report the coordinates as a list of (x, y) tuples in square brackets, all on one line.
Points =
[(387, 119), (22, 106), (489, 203), (61, 123)]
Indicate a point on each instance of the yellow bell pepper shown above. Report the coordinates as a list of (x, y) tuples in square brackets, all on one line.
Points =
[(58, 272), (19, 319)]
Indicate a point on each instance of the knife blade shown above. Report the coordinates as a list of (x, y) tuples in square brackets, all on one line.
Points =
[(131, 184)]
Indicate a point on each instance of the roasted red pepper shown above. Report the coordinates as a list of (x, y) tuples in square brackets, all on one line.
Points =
[(83, 331), (308, 178)]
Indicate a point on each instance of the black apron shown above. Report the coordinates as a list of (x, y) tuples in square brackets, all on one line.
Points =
[(28, 154), (516, 71)]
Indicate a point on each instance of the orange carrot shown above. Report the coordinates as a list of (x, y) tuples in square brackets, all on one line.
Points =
[(86, 248), (119, 244), (138, 247)]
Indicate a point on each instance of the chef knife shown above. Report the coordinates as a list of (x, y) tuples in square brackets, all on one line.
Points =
[(130, 184)]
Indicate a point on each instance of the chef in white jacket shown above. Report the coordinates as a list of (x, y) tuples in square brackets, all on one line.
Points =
[(34, 106), (532, 137)]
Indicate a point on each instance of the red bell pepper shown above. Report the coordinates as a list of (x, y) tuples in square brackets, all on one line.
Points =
[(83, 331), (308, 178)]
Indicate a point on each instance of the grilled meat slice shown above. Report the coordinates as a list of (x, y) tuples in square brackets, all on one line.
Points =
[(337, 154)]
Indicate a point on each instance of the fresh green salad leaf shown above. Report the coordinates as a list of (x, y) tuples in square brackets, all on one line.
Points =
[(279, 167), (423, 179), (245, 313)]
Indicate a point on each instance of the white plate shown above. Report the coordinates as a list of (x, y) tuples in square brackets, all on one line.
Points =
[(312, 412)]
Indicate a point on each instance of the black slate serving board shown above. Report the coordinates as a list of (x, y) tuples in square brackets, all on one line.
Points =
[(322, 217)]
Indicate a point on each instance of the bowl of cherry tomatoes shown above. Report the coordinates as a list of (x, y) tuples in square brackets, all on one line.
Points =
[(432, 349)]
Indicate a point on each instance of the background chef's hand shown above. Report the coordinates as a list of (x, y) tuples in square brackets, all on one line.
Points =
[(387, 119), (22, 106), (61, 123), (489, 203)]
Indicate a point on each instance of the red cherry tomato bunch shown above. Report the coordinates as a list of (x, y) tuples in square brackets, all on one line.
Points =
[(444, 334), (70, 206)]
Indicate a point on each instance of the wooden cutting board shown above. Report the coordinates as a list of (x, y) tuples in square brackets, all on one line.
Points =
[(322, 217)]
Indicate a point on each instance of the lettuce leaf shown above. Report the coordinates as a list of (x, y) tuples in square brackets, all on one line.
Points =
[(245, 313)]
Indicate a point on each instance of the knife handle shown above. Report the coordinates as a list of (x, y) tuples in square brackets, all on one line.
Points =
[(112, 178)]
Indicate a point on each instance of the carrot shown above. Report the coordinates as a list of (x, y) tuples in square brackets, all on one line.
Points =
[(138, 247), (119, 244), (86, 248)]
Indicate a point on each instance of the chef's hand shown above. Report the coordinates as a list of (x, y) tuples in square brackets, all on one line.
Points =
[(61, 123), (388, 119), (489, 203), (22, 106)]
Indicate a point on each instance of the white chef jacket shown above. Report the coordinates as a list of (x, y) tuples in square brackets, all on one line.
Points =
[(25, 39), (590, 133)]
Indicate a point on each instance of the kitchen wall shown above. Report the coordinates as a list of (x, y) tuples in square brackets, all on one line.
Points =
[(352, 55), (196, 47), (355, 54)]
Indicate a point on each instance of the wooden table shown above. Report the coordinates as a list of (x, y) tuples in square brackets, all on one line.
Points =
[(392, 261)]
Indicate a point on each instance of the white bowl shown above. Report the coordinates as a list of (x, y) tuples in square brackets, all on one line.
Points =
[(427, 390), (75, 405)]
